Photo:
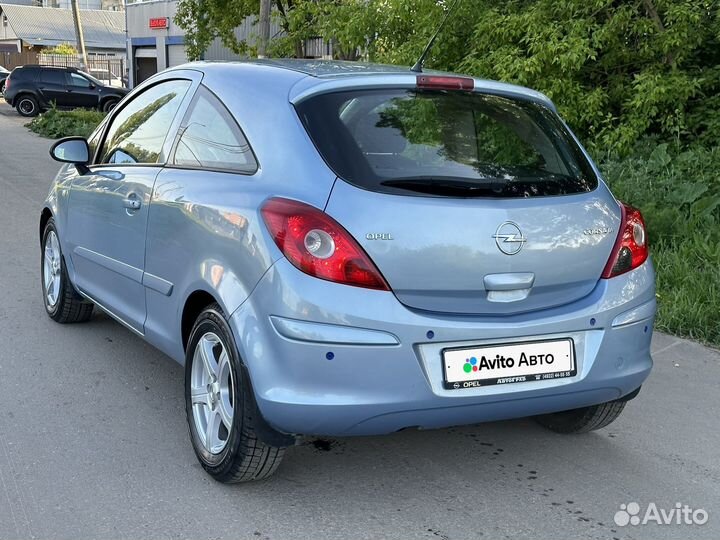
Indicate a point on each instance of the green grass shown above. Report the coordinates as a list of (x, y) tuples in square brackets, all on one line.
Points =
[(679, 195), (56, 124)]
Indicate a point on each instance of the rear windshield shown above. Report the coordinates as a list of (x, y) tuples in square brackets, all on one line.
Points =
[(445, 144)]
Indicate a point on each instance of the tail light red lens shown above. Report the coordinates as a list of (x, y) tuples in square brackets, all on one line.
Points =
[(7, 83), (631, 246), (319, 246)]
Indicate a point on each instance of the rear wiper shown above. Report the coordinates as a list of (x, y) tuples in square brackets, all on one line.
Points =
[(434, 185)]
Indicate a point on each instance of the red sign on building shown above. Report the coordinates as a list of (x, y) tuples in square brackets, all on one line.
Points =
[(159, 23)]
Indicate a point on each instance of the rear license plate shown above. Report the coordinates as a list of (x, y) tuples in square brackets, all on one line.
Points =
[(508, 363)]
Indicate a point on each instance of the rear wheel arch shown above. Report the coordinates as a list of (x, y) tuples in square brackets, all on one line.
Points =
[(194, 305)]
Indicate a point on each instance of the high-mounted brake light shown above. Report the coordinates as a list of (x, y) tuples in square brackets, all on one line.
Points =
[(631, 246), (443, 82), (319, 246)]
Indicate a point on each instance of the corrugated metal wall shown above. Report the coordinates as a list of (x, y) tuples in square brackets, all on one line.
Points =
[(176, 55), (245, 32)]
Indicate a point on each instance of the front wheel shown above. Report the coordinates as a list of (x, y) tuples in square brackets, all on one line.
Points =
[(219, 406), (62, 303), (584, 419)]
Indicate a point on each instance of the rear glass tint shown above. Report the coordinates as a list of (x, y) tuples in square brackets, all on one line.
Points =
[(445, 144), (24, 74), (53, 76)]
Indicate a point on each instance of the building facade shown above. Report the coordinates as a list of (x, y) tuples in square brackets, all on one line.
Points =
[(109, 5), (26, 30)]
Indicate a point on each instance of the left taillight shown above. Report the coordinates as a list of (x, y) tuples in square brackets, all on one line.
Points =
[(7, 83), (318, 245), (631, 246)]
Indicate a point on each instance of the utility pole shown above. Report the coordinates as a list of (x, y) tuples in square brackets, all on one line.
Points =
[(130, 64), (264, 28), (79, 34)]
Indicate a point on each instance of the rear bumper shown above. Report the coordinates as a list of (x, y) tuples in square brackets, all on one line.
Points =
[(385, 374)]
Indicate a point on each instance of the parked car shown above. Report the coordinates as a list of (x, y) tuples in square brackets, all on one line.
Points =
[(32, 89), (3, 75), (107, 77), (352, 249)]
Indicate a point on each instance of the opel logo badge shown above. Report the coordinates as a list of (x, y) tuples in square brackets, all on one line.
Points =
[(509, 238)]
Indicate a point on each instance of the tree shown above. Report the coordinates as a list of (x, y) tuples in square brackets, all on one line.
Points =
[(617, 69), (205, 20), (64, 49)]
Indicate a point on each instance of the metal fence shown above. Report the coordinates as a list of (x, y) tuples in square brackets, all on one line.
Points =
[(108, 69)]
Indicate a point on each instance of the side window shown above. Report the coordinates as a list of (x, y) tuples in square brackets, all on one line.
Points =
[(78, 80), (52, 76), (137, 133), (210, 138)]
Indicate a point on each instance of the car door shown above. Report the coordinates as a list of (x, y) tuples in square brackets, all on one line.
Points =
[(108, 209), (190, 221), (82, 92), (52, 86)]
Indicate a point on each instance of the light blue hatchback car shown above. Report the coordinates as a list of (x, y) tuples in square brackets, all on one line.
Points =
[(352, 249)]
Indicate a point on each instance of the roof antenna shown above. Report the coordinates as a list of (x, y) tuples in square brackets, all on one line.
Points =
[(418, 67)]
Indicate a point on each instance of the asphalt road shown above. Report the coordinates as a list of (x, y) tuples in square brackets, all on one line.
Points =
[(93, 440)]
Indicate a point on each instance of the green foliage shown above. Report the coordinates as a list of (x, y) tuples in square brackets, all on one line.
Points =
[(55, 124), (617, 70), (679, 194), (64, 49), (204, 20)]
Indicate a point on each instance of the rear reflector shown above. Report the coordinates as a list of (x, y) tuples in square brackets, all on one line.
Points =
[(318, 245), (631, 246), (440, 82)]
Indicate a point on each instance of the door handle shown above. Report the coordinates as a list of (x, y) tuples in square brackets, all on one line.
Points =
[(132, 202), (111, 175)]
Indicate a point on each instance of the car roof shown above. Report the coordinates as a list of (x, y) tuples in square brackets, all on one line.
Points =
[(40, 66), (303, 78)]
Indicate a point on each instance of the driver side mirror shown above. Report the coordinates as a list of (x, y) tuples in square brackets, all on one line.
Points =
[(73, 150)]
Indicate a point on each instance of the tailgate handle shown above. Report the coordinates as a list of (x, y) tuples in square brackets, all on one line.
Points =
[(509, 282)]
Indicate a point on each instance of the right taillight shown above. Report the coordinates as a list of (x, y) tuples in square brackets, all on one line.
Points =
[(631, 246)]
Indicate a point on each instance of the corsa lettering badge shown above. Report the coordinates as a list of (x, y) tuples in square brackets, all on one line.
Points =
[(509, 363)]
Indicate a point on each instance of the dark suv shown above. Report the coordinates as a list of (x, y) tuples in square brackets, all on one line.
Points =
[(31, 89)]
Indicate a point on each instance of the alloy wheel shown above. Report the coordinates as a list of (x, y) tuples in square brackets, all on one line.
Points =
[(212, 393), (51, 269), (27, 106)]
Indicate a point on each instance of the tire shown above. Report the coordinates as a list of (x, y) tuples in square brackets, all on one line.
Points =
[(109, 104), (584, 419), (62, 303), (218, 394), (26, 105)]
